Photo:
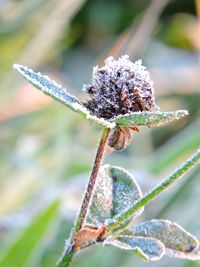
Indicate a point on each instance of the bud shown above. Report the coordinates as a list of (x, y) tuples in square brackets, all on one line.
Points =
[(118, 88), (120, 137)]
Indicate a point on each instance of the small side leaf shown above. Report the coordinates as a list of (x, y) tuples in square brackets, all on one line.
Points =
[(175, 239), (51, 88), (149, 249), (116, 191), (149, 118)]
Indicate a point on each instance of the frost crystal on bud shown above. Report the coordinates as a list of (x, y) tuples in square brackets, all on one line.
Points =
[(120, 87)]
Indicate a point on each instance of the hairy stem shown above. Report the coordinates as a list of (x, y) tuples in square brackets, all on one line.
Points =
[(69, 250), (93, 179), (178, 173), (66, 258)]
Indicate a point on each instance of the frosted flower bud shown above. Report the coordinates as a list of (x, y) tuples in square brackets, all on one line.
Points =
[(119, 87)]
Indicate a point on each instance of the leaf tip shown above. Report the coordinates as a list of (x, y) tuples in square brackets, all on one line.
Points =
[(17, 66), (21, 69)]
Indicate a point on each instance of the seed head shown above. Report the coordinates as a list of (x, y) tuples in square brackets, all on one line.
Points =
[(118, 88)]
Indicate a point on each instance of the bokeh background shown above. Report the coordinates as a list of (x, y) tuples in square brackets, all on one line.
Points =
[(46, 150)]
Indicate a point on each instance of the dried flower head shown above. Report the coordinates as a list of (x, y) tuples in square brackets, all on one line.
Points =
[(118, 88)]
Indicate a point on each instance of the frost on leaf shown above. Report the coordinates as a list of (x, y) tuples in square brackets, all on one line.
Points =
[(51, 88), (149, 249), (177, 242), (194, 256), (116, 190), (148, 118), (48, 87)]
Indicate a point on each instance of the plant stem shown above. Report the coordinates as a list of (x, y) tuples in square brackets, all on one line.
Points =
[(93, 179), (186, 166), (179, 193), (69, 250), (66, 257)]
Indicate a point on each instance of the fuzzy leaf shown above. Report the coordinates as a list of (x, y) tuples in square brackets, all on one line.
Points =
[(116, 191), (149, 249), (149, 118), (175, 239), (194, 256), (51, 88)]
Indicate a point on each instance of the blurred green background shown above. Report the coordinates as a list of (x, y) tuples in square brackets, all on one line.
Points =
[(46, 150)]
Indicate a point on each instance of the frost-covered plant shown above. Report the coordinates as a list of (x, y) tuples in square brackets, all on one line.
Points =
[(121, 99)]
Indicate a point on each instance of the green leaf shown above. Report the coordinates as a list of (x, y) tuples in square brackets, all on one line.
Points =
[(175, 239), (153, 193), (20, 251), (51, 88), (116, 191), (149, 249), (149, 118)]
